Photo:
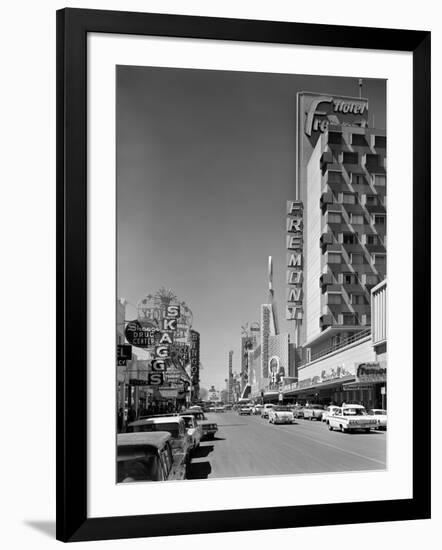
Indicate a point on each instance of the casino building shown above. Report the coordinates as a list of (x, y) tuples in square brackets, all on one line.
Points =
[(336, 244)]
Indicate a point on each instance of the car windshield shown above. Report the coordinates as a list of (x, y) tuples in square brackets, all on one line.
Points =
[(146, 469), (379, 412), (171, 427), (354, 412)]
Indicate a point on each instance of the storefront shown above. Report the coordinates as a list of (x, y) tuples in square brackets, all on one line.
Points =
[(370, 385)]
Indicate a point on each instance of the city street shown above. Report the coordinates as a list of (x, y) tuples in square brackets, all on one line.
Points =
[(251, 446)]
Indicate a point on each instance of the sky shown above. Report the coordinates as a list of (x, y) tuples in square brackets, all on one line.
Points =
[(205, 165)]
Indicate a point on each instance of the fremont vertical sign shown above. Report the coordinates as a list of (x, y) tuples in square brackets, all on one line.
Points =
[(294, 260)]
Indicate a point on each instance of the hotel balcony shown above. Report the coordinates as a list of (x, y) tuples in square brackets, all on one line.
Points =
[(326, 158), (326, 198), (326, 321)]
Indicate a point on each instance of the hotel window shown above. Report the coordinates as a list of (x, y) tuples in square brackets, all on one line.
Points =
[(358, 139), (356, 259), (348, 278), (372, 239), (334, 177), (366, 319), (371, 200), (357, 179), (347, 319), (379, 259), (379, 179), (334, 258), (380, 141), (350, 158), (348, 198), (334, 137), (358, 299), (334, 217), (349, 238), (370, 279), (379, 219), (334, 299), (357, 219)]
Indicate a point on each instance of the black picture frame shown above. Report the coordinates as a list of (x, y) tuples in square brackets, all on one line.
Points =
[(73, 25)]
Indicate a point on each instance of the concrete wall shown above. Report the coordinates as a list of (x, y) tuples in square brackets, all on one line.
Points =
[(312, 250)]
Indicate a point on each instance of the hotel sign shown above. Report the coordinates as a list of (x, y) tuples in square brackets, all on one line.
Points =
[(294, 260), (326, 110), (371, 372)]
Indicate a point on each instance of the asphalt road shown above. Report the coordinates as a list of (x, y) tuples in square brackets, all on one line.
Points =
[(250, 446)]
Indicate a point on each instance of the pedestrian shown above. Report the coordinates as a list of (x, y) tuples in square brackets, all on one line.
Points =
[(120, 418), (131, 415)]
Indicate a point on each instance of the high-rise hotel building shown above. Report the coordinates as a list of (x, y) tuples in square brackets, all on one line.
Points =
[(341, 200), (345, 237)]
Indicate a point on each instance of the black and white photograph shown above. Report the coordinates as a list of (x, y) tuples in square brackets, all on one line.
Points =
[(251, 299)]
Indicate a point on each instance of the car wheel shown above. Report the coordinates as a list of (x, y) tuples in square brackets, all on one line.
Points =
[(367, 430), (343, 430), (330, 427)]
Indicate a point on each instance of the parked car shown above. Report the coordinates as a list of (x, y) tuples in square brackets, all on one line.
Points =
[(181, 441), (219, 408), (328, 412), (381, 417), (298, 411), (313, 411), (245, 409), (281, 415), (257, 408), (350, 418), (208, 427), (146, 456), (194, 430), (265, 410)]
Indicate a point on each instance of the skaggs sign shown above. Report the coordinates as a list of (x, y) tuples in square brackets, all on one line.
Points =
[(315, 121)]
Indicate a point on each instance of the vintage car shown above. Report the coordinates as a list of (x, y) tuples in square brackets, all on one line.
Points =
[(208, 427), (298, 411), (257, 408), (194, 430), (181, 441), (349, 418), (281, 415), (313, 411), (265, 410), (245, 409), (381, 417), (328, 412), (148, 456), (219, 409)]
